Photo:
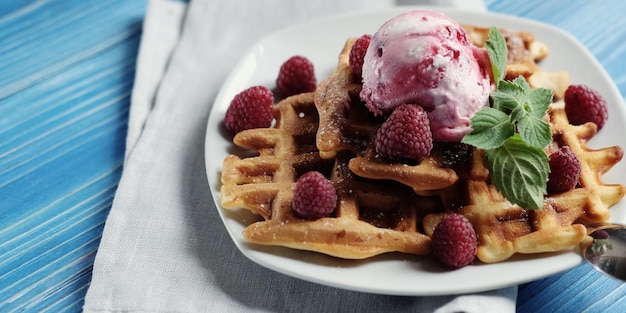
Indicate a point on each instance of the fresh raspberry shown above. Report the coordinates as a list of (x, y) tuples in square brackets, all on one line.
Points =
[(251, 108), (314, 196), (405, 134), (454, 241), (583, 104), (357, 54), (295, 76), (564, 170)]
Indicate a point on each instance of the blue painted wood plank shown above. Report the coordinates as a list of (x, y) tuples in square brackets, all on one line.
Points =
[(66, 74), (59, 33)]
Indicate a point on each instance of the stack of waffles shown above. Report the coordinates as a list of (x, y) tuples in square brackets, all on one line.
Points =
[(394, 207)]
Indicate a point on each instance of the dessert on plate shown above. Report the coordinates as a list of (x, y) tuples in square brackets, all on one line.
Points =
[(395, 141)]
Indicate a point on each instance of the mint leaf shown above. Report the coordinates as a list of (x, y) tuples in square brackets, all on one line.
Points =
[(490, 129), (541, 99), (508, 96), (496, 48), (527, 108), (520, 81), (519, 172), (534, 131)]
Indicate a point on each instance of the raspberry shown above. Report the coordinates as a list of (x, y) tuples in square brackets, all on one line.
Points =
[(405, 134), (251, 108), (295, 76), (357, 54), (454, 241), (564, 170), (314, 196), (583, 104)]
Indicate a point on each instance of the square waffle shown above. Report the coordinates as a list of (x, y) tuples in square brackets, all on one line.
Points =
[(372, 217), (504, 229)]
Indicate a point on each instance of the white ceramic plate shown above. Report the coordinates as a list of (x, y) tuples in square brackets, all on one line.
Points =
[(395, 273)]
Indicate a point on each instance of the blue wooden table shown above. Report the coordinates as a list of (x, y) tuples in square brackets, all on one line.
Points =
[(66, 74)]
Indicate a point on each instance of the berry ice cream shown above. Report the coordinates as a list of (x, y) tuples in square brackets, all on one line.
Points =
[(425, 58)]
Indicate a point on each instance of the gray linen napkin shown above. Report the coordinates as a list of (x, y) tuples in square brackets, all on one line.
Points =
[(164, 248)]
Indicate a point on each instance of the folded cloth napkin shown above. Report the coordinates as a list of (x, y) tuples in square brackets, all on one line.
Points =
[(164, 248)]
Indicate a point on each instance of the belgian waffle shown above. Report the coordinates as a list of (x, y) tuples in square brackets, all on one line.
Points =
[(372, 217), (284, 152), (504, 229)]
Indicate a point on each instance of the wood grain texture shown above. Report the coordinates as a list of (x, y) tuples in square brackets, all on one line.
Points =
[(66, 74)]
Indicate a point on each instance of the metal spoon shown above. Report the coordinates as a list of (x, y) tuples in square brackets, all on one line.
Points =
[(607, 251)]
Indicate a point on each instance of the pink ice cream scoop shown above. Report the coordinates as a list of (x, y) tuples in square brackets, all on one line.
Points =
[(425, 58)]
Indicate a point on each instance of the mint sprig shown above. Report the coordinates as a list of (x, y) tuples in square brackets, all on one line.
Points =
[(513, 132)]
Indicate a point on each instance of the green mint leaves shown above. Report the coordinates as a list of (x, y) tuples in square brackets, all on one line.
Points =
[(519, 171), (527, 108), (496, 47), (513, 133)]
